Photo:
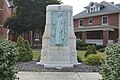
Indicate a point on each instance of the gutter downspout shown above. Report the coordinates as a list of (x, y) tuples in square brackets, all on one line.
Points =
[(119, 27), (7, 3)]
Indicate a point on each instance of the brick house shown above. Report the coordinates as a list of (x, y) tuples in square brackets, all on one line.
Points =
[(5, 11), (99, 23)]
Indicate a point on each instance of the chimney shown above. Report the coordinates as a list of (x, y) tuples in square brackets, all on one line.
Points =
[(112, 3)]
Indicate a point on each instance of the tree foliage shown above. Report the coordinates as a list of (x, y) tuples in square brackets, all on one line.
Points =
[(29, 15)]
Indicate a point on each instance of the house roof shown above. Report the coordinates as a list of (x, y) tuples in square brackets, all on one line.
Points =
[(91, 3), (108, 8), (118, 5)]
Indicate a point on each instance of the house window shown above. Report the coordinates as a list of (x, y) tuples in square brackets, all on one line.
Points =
[(90, 21), (105, 20), (81, 22), (36, 37), (88, 10), (88, 35), (93, 9)]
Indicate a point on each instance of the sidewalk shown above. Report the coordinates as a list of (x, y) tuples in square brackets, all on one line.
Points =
[(58, 76)]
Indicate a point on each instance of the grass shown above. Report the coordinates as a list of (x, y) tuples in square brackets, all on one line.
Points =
[(36, 54), (81, 53)]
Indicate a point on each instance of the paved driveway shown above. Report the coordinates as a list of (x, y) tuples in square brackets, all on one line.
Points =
[(58, 76)]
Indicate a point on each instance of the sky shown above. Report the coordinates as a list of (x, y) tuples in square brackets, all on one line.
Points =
[(78, 5)]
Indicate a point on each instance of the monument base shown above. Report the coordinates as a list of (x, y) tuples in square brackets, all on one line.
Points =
[(59, 56), (58, 66)]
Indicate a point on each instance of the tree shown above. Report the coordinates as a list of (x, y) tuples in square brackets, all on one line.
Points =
[(25, 52), (29, 50), (30, 15)]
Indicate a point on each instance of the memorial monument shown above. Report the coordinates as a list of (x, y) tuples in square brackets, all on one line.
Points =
[(58, 40)]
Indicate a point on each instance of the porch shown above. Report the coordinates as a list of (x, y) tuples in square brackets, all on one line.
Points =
[(97, 41), (99, 35)]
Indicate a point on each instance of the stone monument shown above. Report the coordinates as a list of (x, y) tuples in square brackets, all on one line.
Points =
[(58, 40)]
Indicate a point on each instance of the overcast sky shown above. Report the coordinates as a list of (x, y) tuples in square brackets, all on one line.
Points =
[(78, 5)]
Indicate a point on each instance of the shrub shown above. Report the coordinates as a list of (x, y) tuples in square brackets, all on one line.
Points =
[(25, 52), (83, 48), (79, 59), (99, 47), (91, 44), (8, 53), (81, 45), (84, 44), (93, 50), (101, 50), (90, 50), (78, 43), (110, 70), (94, 59)]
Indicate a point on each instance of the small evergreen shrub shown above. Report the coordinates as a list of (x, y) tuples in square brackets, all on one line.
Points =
[(99, 47), (83, 48), (101, 50), (94, 59), (110, 70), (93, 49), (8, 54), (25, 52), (81, 45), (90, 50), (84, 44), (79, 59)]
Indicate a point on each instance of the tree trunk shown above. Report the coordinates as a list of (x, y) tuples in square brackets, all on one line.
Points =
[(33, 38)]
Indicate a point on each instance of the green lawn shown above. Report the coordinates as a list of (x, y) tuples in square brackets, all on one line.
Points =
[(81, 54), (36, 54)]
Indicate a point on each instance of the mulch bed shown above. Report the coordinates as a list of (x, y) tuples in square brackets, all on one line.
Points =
[(32, 66)]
